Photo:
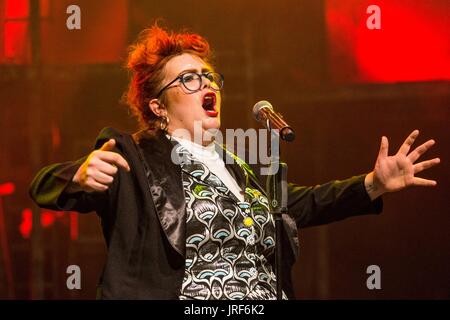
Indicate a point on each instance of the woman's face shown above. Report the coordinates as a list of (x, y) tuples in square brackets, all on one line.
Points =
[(184, 108)]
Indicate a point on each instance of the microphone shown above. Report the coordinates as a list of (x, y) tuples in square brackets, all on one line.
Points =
[(264, 113)]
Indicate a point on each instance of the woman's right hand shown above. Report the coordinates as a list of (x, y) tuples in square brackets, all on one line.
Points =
[(97, 173)]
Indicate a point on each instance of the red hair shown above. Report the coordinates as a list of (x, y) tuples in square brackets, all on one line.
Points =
[(147, 58)]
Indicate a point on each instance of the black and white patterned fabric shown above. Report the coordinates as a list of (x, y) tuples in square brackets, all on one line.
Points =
[(227, 241)]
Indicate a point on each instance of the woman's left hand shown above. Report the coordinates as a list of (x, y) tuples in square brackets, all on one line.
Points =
[(394, 173)]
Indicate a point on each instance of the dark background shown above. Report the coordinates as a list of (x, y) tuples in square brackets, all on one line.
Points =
[(65, 86)]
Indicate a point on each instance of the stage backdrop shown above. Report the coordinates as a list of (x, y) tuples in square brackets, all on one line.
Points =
[(343, 75)]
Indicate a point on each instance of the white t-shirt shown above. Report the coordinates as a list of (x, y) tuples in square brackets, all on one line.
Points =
[(210, 158)]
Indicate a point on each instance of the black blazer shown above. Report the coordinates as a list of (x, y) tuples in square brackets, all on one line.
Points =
[(143, 214)]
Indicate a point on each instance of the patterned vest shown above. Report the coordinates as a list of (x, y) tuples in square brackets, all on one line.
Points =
[(227, 241)]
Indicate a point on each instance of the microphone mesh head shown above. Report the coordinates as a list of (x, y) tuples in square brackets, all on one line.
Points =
[(258, 106)]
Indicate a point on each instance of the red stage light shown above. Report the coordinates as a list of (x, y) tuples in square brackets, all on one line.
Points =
[(26, 225), (412, 44), (101, 39), (7, 188), (17, 9), (16, 46), (47, 219)]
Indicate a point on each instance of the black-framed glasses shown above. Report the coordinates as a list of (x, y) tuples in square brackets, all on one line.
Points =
[(193, 81)]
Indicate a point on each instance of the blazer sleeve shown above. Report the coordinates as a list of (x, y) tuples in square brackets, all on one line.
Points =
[(330, 202), (47, 189)]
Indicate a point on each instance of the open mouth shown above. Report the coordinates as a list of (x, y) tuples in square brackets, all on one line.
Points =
[(209, 104)]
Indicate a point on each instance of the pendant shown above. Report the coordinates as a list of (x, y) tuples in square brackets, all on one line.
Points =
[(248, 222)]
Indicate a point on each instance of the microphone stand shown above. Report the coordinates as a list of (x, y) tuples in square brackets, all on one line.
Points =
[(276, 187)]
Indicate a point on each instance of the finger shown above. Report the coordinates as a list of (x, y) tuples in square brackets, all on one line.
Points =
[(424, 182), (418, 167), (102, 178), (106, 168), (384, 146), (404, 149), (108, 145), (114, 158), (95, 186), (420, 150)]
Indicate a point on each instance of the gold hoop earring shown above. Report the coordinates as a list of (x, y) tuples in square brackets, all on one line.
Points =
[(163, 123)]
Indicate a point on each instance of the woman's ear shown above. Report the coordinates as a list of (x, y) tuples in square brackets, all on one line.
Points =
[(157, 107)]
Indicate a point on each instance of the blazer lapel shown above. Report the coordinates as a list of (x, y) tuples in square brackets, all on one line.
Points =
[(165, 184)]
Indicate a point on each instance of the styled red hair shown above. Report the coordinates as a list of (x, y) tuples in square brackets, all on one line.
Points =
[(147, 58)]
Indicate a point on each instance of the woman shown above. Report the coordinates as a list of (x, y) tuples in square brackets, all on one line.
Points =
[(197, 229)]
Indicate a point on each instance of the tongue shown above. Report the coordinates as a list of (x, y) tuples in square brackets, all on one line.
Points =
[(209, 106), (208, 103)]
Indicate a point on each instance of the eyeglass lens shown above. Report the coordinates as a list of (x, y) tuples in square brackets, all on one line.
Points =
[(193, 81)]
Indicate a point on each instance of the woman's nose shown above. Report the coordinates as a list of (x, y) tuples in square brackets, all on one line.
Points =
[(206, 83)]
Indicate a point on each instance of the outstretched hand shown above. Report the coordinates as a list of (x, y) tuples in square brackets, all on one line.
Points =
[(394, 173)]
